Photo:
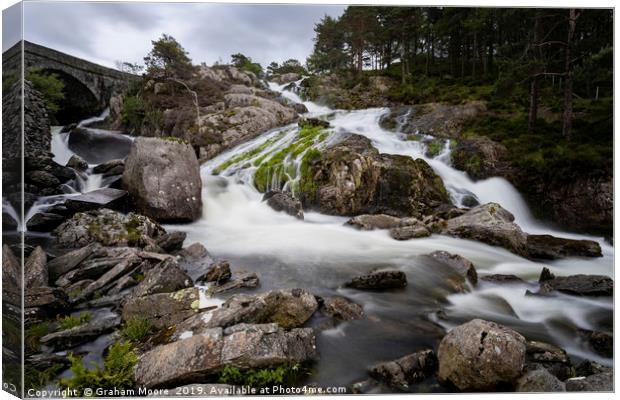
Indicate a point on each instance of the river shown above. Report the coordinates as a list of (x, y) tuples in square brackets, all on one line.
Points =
[(320, 254)]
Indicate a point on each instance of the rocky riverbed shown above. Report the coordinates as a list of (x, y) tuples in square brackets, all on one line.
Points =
[(329, 247)]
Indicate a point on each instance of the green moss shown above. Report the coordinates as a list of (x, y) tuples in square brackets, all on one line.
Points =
[(248, 155), (117, 371), (287, 374), (138, 277), (137, 329), (434, 147), (33, 335), (133, 232), (69, 321), (473, 165), (174, 139), (307, 185)]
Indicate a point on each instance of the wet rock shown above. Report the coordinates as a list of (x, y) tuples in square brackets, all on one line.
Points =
[(127, 265), (195, 259), (551, 247), (217, 272), (481, 356), (164, 277), (109, 198), (67, 262), (163, 309), (8, 222), (481, 158), (312, 123), (35, 269), (601, 342), (267, 345), (90, 269), (352, 178), (379, 280), (539, 380), (460, 264), (546, 275), (300, 108), (490, 224), (163, 180), (123, 283), (245, 346), (112, 167), (74, 290), (286, 78), (11, 282), (109, 228), (587, 368), (78, 163), (580, 285), (172, 241), (284, 201), (51, 300), (343, 309), (42, 179), (410, 232), (82, 333), (242, 280), (369, 222), (98, 147), (44, 222), (603, 382), (44, 361), (412, 368), (552, 358)]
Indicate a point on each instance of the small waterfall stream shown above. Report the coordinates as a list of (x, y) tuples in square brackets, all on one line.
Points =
[(320, 254)]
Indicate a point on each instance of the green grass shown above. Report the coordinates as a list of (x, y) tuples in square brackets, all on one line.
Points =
[(286, 374), (137, 329), (33, 335), (117, 371), (69, 321)]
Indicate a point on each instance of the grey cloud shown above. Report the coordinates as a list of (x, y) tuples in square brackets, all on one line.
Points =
[(106, 32)]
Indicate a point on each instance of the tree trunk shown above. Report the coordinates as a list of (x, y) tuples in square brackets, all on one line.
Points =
[(567, 120)]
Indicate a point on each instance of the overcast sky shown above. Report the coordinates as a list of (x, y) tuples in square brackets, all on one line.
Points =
[(107, 32)]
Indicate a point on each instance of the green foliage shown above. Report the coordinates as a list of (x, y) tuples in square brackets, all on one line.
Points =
[(133, 232), (50, 86), (168, 59), (117, 371), (285, 374), (137, 329), (434, 147), (36, 379), (289, 66), (245, 63), (133, 112), (8, 80), (69, 321), (307, 186), (33, 335)]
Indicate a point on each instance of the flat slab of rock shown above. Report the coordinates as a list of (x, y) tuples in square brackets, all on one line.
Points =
[(81, 334), (490, 224), (368, 222), (68, 261), (217, 272), (460, 264), (98, 146), (380, 280), (580, 285), (164, 277), (241, 280), (163, 309), (44, 222), (502, 278), (412, 368), (551, 247), (113, 199), (480, 356), (242, 346)]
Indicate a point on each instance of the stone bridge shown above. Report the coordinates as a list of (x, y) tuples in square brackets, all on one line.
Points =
[(88, 86)]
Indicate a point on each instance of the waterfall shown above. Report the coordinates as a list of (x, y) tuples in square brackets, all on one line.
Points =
[(320, 253)]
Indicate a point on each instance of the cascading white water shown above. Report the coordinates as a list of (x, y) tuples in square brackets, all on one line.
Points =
[(321, 254)]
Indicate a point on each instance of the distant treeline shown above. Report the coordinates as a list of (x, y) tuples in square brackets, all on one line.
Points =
[(504, 46)]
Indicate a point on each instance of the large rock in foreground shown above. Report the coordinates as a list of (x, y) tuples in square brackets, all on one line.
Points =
[(163, 179), (490, 224), (242, 346), (352, 178), (481, 356)]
